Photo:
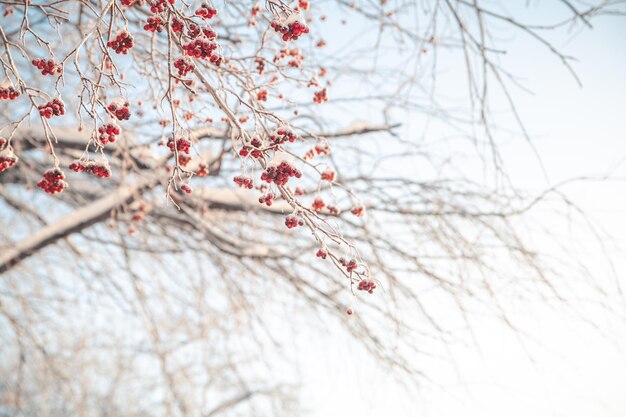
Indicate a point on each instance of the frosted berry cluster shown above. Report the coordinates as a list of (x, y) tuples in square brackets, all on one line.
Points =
[(280, 174), (195, 31), (203, 48), (254, 149), (321, 253), (267, 199), (328, 174), (184, 66), (320, 97), (358, 210), (181, 145), (291, 29), (322, 148), (52, 181), (47, 67), (318, 204), (122, 42), (108, 133), (243, 181), (366, 285), (8, 92), (206, 11), (52, 108), (281, 135), (155, 24), (350, 265), (7, 159), (203, 170), (159, 6), (119, 109), (99, 168), (292, 221)]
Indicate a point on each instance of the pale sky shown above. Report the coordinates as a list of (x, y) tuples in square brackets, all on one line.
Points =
[(574, 371)]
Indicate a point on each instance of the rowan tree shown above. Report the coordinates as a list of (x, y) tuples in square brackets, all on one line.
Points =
[(170, 169)]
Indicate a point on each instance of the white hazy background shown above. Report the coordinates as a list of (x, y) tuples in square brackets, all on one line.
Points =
[(564, 367)]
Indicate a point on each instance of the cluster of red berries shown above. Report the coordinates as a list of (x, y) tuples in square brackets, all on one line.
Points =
[(139, 209), (8, 92), (203, 48), (181, 145), (245, 182), (7, 159), (262, 95), (183, 160), (108, 133), (47, 67), (203, 170), (281, 135), (318, 204), (194, 31), (328, 174), (358, 210), (335, 211), (303, 4), (322, 148), (158, 6), (321, 253), (52, 108), (280, 174), (186, 188), (177, 25), (121, 111), (155, 24), (99, 168), (128, 3), (368, 286), (292, 221), (320, 97), (206, 11), (184, 66), (254, 149), (291, 30), (267, 199), (350, 265), (260, 65), (294, 53), (122, 42), (52, 181)]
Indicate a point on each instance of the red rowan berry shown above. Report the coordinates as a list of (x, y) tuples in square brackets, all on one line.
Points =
[(8, 92), (328, 175), (206, 11), (318, 204), (108, 133), (119, 109), (155, 24), (181, 145), (52, 181), (47, 67), (244, 182), (7, 159), (122, 42), (52, 108)]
